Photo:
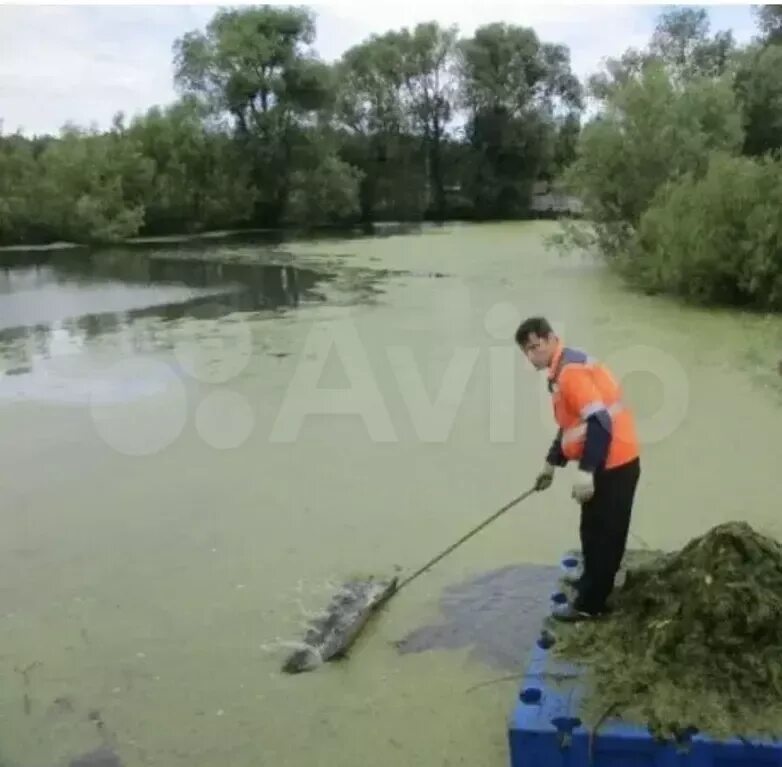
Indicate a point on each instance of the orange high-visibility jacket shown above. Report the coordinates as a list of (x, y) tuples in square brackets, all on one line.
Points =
[(581, 387)]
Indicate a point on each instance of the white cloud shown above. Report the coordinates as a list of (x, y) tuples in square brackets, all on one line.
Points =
[(85, 63)]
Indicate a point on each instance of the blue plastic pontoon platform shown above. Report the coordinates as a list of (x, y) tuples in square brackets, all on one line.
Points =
[(545, 730)]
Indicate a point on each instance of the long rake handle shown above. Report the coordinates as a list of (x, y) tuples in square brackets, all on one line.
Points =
[(433, 562)]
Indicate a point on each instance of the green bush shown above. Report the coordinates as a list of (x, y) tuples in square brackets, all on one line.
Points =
[(652, 131), (717, 239), (329, 192)]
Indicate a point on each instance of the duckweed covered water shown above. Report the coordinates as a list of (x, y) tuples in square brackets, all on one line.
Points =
[(174, 510)]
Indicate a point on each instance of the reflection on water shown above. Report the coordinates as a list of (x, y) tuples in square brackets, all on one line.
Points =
[(56, 305)]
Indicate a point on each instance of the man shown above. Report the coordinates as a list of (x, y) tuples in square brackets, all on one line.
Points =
[(597, 430)]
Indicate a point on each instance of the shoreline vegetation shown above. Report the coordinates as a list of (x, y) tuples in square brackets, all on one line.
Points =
[(272, 237), (675, 166)]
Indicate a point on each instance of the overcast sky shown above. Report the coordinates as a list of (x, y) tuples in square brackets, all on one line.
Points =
[(85, 63)]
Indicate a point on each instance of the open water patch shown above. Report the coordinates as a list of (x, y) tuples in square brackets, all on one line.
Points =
[(497, 614)]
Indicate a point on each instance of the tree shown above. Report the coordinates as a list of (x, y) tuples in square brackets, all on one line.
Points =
[(681, 43), (717, 239), (759, 84), (511, 87), (92, 186), (759, 91), (770, 22), (255, 65), (18, 185), (427, 71), (327, 194), (200, 179), (566, 143), (370, 108), (651, 132)]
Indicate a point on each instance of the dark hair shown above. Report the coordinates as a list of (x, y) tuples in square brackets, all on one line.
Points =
[(538, 326)]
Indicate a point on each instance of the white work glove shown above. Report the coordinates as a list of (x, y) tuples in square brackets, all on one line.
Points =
[(545, 478), (584, 486)]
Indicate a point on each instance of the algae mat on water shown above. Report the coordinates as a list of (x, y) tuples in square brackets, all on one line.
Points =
[(694, 640)]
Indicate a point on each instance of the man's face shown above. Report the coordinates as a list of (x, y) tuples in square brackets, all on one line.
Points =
[(540, 349)]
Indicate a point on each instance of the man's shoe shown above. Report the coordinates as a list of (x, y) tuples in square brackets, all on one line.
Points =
[(569, 614)]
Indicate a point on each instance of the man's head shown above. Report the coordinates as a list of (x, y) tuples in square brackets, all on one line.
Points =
[(537, 340)]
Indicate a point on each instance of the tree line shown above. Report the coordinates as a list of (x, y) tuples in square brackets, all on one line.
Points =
[(409, 125), (676, 163), (679, 171)]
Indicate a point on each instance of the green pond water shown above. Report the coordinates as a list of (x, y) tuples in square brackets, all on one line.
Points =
[(196, 454)]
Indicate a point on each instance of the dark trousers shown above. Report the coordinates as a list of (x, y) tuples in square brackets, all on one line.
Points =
[(605, 523)]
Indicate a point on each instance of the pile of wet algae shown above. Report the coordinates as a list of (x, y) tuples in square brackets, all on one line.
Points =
[(693, 642)]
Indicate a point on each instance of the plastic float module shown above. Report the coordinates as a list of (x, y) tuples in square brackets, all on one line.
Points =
[(545, 730)]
